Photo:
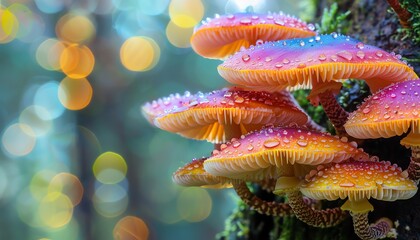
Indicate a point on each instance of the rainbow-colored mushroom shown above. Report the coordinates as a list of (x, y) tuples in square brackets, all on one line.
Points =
[(321, 62), (224, 35), (390, 112), (221, 115), (359, 181)]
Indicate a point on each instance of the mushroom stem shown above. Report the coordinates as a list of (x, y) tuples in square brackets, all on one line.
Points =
[(317, 218), (367, 231), (264, 207), (414, 167), (402, 13), (337, 115)]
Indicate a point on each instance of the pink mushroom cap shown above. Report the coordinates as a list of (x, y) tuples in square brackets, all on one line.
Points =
[(266, 151), (387, 113), (222, 114), (314, 60), (224, 35)]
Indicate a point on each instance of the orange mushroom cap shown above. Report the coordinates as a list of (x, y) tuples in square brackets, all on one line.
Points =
[(281, 64), (224, 35), (359, 180), (387, 113), (220, 115), (264, 152), (193, 174)]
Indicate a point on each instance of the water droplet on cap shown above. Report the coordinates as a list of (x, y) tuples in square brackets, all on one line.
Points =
[(246, 57)]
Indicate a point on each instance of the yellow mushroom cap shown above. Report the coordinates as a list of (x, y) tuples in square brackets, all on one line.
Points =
[(221, 115), (193, 175), (358, 180), (264, 152), (224, 35), (387, 113)]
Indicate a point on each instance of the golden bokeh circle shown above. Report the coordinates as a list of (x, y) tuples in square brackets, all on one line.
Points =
[(75, 94), (139, 53), (131, 227), (75, 28), (77, 61)]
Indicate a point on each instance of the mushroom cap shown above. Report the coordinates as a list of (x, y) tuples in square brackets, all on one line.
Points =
[(387, 113), (269, 150), (318, 59), (224, 35), (359, 180), (193, 175), (214, 116)]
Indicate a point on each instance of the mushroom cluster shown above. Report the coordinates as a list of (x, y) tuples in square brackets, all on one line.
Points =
[(261, 135)]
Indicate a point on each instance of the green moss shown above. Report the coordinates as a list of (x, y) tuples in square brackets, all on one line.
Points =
[(333, 21), (413, 6)]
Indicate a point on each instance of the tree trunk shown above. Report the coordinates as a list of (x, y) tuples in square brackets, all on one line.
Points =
[(375, 23)]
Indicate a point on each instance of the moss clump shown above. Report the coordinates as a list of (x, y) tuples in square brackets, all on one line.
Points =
[(332, 21), (413, 32)]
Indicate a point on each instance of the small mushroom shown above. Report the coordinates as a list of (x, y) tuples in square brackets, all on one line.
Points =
[(321, 62), (193, 174), (224, 35), (358, 181), (390, 112), (224, 114), (281, 153)]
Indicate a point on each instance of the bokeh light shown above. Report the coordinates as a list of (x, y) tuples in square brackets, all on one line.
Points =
[(67, 184), (77, 61), (55, 210), (24, 17), (139, 53), (31, 117), (75, 94), (40, 183), (110, 168), (18, 139), (153, 7), (179, 36), (186, 13), (48, 54), (50, 6), (9, 26), (75, 28), (110, 200), (46, 97), (131, 227), (194, 204)]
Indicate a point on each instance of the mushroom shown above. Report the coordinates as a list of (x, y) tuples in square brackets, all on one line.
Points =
[(358, 181), (390, 112), (193, 174), (321, 61), (224, 114), (224, 35), (280, 153)]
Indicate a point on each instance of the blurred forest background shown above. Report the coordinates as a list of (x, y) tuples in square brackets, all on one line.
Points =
[(78, 159)]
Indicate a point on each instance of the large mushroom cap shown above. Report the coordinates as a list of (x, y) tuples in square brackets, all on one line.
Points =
[(224, 35), (220, 115), (262, 151), (359, 180), (193, 174), (281, 64), (389, 112)]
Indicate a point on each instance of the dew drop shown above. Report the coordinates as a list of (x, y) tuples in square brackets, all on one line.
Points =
[(360, 54), (259, 42), (345, 54), (278, 65), (317, 38), (250, 147), (393, 95), (230, 16), (360, 45), (347, 184), (415, 113), (246, 57), (302, 143), (279, 22), (366, 110), (255, 17), (236, 144), (245, 21), (311, 27), (271, 143), (403, 92), (239, 100), (379, 54), (286, 61), (334, 58), (322, 57), (302, 43), (268, 59), (334, 35)]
